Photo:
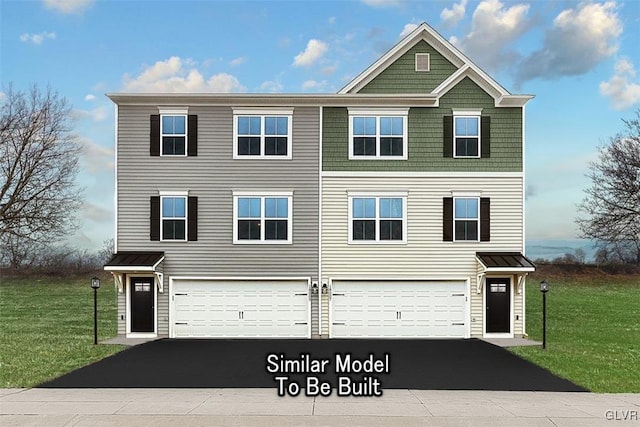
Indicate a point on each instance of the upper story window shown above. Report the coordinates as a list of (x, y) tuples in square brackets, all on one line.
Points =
[(262, 218), (466, 135), (378, 134), (466, 218), (262, 133), (173, 216), (377, 218), (173, 132)]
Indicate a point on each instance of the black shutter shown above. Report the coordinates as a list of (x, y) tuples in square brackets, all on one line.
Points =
[(485, 219), (155, 218), (192, 130), (192, 219), (485, 136), (154, 147), (447, 132), (447, 219)]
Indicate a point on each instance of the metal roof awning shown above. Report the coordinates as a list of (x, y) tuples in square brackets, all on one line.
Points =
[(134, 261), (122, 263), (505, 262)]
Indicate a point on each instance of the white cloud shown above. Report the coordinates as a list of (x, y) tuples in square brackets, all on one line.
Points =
[(96, 158), (98, 114), (177, 75), (493, 28), (238, 61), (450, 17), (37, 38), (382, 3), (314, 51), (408, 28), (68, 6), (96, 213), (271, 86), (89, 97), (314, 85), (620, 89), (579, 39)]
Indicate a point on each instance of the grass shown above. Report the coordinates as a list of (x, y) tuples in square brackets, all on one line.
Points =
[(46, 327), (593, 331)]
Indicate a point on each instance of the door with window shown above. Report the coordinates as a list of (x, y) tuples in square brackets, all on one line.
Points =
[(498, 305), (142, 304)]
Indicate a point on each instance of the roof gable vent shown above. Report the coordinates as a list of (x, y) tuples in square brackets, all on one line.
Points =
[(422, 62)]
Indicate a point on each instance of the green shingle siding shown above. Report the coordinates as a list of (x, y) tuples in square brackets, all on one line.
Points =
[(425, 137), (401, 76)]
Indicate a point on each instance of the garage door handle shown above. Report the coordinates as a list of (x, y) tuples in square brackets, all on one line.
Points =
[(339, 323), (181, 323), (302, 293), (181, 294), (457, 324), (457, 295), (300, 323), (335, 294)]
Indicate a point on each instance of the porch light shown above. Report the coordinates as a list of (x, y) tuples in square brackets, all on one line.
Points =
[(95, 284), (544, 288), (314, 288)]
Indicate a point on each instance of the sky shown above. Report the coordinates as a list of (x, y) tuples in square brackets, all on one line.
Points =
[(581, 60)]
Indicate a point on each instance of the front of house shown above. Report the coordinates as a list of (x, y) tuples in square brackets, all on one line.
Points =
[(394, 208)]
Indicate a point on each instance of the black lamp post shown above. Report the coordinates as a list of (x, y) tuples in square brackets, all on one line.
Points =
[(95, 284), (544, 288)]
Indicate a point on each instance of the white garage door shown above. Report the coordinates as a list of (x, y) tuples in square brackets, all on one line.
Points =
[(390, 309), (239, 309)]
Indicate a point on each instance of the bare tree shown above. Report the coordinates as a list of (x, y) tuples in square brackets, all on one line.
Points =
[(612, 202), (39, 157)]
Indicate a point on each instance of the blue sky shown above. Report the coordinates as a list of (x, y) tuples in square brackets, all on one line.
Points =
[(580, 59)]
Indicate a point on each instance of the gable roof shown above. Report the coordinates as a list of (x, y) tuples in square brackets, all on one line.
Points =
[(466, 68)]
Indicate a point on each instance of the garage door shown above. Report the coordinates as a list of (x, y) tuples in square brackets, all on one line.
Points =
[(403, 309), (239, 308)]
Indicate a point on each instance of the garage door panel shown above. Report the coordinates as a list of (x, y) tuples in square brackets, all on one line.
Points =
[(215, 308), (410, 309)]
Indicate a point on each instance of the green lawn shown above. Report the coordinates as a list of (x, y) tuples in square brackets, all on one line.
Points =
[(46, 327), (593, 331)]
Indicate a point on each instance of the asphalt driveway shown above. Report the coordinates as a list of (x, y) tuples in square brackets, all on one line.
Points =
[(411, 364)]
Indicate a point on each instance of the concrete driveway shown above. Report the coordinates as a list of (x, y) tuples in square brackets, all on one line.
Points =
[(347, 367)]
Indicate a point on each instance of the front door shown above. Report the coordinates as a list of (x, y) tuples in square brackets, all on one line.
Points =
[(498, 305), (142, 296)]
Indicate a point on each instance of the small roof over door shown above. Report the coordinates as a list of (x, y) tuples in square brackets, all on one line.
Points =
[(134, 261), (507, 262)]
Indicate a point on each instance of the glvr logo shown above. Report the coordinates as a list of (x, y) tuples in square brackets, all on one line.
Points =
[(622, 415)]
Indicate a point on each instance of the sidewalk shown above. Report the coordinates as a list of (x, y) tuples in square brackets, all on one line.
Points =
[(260, 407)]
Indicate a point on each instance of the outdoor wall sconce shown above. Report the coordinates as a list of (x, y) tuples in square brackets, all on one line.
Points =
[(314, 288), (95, 285), (325, 289), (544, 288)]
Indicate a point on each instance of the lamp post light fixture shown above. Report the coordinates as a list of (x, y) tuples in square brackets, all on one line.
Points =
[(544, 288), (95, 284)]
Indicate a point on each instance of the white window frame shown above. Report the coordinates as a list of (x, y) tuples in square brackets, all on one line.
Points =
[(464, 114), (176, 195), (428, 56), (262, 196), (377, 196), (459, 197), (263, 113), (183, 112), (379, 113)]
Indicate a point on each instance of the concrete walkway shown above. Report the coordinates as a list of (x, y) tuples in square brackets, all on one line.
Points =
[(262, 407)]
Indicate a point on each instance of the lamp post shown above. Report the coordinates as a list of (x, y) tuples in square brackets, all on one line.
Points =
[(544, 288), (95, 284)]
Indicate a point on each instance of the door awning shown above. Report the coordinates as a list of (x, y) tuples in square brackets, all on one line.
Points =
[(134, 261), (505, 262)]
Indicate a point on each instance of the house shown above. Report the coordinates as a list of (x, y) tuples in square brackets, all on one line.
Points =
[(394, 208)]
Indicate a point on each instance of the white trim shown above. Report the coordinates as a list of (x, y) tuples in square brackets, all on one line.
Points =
[(467, 112), (377, 196), (467, 115), (511, 311), (128, 319), (173, 193), (185, 135), (240, 278), (115, 269), (524, 310), (263, 114), (173, 111), (378, 114), (115, 172), (428, 56), (358, 193), (262, 196), (186, 216), (466, 219), (524, 186), (512, 270), (390, 174), (466, 194), (319, 234)]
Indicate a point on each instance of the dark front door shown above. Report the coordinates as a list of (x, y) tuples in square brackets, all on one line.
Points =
[(142, 293), (498, 303)]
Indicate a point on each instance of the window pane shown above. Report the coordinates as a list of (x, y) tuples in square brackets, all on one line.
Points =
[(390, 207), (275, 146), (173, 229), (173, 207), (364, 126), (364, 230), (391, 126), (466, 230), (249, 230), (249, 125), (276, 125), (283, 126), (179, 207), (243, 125), (276, 207), (179, 125), (167, 207), (364, 146), (466, 208), (167, 125), (248, 207), (364, 207), (270, 124), (391, 146), (467, 126), (467, 147), (173, 145), (391, 229), (249, 146), (275, 230)]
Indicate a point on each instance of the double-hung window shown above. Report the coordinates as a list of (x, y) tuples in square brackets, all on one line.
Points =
[(259, 133), (378, 134), (173, 217), (466, 218), (262, 218), (173, 134), (379, 218), (466, 134)]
